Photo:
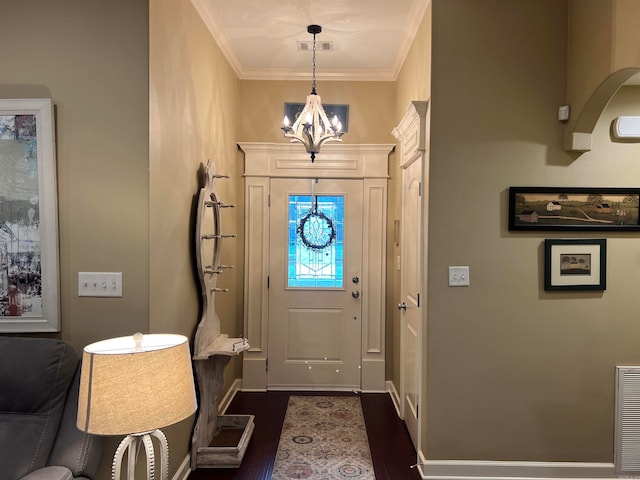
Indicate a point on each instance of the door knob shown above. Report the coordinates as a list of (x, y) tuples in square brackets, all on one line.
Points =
[(355, 280), (355, 294), (402, 306)]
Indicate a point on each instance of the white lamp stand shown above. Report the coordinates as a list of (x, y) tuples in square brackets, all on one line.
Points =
[(130, 445)]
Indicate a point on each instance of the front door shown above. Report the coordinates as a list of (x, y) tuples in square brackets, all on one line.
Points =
[(315, 324)]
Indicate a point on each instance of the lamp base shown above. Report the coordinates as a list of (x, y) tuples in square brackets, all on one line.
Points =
[(130, 445)]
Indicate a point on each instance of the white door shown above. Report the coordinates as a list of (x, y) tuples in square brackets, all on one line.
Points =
[(315, 323), (410, 306)]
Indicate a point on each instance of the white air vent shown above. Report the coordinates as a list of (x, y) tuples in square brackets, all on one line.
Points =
[(626, 128), (320, 46), (627, 427)]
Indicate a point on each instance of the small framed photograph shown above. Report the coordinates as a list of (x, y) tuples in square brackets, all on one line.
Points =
[(575, 264)]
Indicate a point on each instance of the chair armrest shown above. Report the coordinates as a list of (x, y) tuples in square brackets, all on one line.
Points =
[(50, 473)]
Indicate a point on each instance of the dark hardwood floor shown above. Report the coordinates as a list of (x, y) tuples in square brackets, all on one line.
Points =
[(391, 449)]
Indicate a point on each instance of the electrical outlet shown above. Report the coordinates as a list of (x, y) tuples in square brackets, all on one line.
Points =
[(459, 276), (100, 284)]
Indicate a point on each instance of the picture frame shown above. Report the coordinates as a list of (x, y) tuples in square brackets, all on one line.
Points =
[(29, 264), (575, 264), (293, 110), (574, 209)]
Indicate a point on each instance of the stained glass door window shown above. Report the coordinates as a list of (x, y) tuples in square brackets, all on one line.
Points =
[(316, 241)]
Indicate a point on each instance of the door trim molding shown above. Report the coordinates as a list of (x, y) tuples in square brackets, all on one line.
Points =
[(413, 134), (263, 161)]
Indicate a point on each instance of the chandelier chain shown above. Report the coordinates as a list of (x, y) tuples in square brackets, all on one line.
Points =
[(313, 84)]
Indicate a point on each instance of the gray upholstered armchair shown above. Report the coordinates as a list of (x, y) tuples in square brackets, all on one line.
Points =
[(39, 440)]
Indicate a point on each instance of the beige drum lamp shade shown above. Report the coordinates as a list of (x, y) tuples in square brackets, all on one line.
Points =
[(135, 384)]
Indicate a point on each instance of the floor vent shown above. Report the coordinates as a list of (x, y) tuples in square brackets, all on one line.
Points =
[(627, 427)]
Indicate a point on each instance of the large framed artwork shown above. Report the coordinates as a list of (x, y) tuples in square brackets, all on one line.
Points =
[(572, 208), (29, 279)]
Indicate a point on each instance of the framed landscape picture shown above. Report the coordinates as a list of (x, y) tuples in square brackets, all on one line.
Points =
[(29, 286), (578, 209), (575, 264)]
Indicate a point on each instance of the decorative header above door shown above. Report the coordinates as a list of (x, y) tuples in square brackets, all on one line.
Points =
[(337, 161)]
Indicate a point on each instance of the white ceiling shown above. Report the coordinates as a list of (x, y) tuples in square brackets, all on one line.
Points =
[(260, 38)]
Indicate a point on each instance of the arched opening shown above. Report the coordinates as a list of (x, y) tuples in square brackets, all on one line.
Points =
[(578, 139)]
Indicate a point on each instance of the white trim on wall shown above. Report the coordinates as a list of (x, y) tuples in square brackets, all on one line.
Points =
[(395, 398), (491, 470), (184, 469)]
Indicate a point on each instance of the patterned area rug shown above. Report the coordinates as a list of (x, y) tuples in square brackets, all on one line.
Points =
[(323, 438)]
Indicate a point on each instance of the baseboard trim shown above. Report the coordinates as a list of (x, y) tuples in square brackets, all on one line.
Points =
[(235, 387), (491, 470), (184, 469), (395, 398)]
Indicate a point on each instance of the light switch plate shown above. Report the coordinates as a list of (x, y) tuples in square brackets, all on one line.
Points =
[(100, 284), (459, 276)]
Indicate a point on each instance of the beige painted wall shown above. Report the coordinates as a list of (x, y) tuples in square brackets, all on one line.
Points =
[(414, 80), (193, 117), (90, 58), (626, 47), (413, 83), (590, 49), (369, 106), (516, 373)]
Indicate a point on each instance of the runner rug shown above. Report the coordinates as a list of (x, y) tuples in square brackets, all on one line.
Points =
[(323, 438)]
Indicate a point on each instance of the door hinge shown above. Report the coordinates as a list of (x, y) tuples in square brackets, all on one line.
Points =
[(268, 281), (266, 365), (268, 200), (420, 189), (418, 300)]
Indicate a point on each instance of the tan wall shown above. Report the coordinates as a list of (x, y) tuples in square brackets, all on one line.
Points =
[(193, 117), (413, 83), (414, 80), (369, 106), (90, 59), (516, 373), (590, 49), (626, 47)]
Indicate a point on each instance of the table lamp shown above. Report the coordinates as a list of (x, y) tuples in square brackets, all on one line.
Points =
[(134, 386)]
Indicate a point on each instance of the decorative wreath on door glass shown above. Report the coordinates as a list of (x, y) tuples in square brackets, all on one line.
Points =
[(316, 230)]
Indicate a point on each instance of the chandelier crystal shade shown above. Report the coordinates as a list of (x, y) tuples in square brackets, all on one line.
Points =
[(312, 127)]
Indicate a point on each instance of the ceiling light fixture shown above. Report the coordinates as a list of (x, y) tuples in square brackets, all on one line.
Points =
[(312, 127)]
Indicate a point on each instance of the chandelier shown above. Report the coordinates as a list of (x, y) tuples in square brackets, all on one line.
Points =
[(312, 127)]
